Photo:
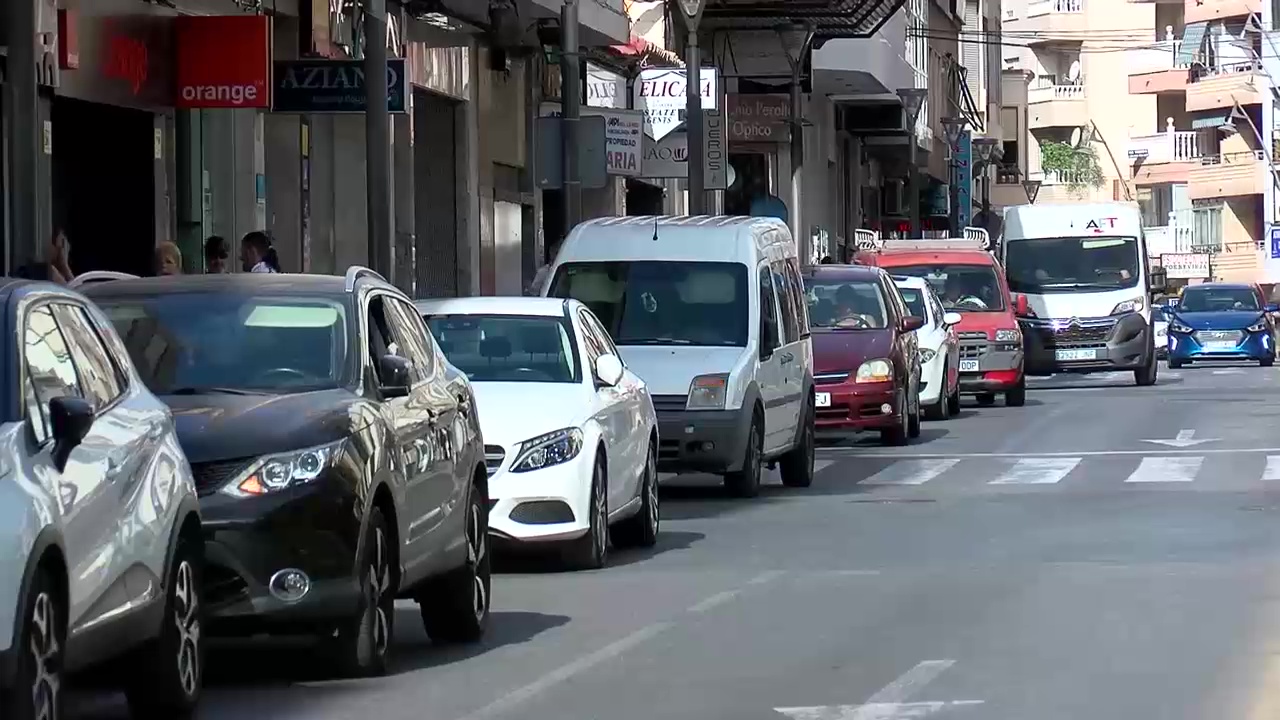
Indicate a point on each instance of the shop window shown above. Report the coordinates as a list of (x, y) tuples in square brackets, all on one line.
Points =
[(752, 181)]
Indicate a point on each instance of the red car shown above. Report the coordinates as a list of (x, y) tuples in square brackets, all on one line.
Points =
[(866, 362), (972, 283)]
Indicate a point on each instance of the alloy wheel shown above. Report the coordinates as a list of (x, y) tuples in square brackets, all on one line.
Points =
[(46, 658), (477, 552), (651, 488), (379, 582), (186, 615), (600, 515)]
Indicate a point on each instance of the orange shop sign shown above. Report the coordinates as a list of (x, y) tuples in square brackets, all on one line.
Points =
[(223, 61)]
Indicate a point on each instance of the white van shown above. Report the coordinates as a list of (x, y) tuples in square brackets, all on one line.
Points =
[(710, 313), (1084, 271)]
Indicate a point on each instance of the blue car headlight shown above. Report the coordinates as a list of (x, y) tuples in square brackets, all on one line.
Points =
[(1259, 326), (553, 448), (1178, 327)]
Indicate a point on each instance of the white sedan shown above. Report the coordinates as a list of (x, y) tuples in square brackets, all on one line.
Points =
[(571, 438), (939, 348)]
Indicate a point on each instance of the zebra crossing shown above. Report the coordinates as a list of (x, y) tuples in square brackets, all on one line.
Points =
[(1234, 471)]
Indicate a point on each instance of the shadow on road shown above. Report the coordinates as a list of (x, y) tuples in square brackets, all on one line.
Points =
[(514, 561)]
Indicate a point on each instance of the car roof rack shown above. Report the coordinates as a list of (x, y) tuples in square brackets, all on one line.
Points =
[(974, 239), (96, 276), (355, 272)]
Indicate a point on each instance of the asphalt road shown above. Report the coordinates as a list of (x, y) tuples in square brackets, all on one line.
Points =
[(1045, 562)]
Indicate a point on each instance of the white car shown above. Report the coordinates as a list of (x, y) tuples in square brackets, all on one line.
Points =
[(939, 348), (1161, 335), (571, 437)]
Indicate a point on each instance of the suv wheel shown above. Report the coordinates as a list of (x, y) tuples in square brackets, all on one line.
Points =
[(1017, 397), (37, 684), (364, 641), (455, 607), (641, 529), (745, 483), (171, 666), (797, 465), (591, 551)]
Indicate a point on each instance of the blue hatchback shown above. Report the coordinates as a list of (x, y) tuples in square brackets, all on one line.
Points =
[(1221, 321)]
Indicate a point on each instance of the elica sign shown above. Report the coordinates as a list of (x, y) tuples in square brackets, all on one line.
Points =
[(333, 86)]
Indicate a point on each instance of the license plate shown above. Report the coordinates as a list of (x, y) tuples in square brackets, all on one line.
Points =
[(1084, 354), (968, 366), (822, 399), (1220, 345)]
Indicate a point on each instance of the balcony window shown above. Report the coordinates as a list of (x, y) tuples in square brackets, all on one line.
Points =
[(1206, 223), (1155, 202)]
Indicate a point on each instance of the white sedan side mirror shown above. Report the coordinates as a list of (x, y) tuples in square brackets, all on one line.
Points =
[(951, 318), (609, 370)]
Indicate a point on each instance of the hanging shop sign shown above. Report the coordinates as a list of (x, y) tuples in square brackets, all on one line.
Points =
[(758, 118), (333, 86), (605, 89), (669, 157), (223, 61), (624, 139), (660, 94), (1187, 266)]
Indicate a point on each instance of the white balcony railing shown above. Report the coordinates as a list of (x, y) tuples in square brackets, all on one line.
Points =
[(1040, 8), (1160, 55), (1061, 177), (1241, 67), (1046, 92), (1171, 238), (1168, 146)]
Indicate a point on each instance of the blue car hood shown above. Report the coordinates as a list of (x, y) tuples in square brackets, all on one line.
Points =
[(1219, 320)]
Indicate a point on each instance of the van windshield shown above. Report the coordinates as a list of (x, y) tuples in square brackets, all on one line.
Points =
[(1071, 264), (662, 303)]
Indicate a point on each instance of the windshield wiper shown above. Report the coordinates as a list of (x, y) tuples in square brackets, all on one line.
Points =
[(192, 390), (656, 341), (1083, 286)]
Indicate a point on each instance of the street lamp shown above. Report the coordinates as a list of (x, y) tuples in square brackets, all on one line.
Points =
[(1032, 189), (952, 128), (984, 154), (692, 12), (796, 38), (912, 103)]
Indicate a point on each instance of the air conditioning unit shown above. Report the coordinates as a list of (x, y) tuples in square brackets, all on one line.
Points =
[(895, 197)]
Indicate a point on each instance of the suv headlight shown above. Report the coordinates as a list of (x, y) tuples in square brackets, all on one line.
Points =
[(1259, 326), (553, 448), (1178, 327), (1011, 336), (273, 473), (874, 371), (708, 392), (1128, 306), (926, 354)]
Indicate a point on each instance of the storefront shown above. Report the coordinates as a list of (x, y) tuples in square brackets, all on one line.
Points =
[(758, 129)]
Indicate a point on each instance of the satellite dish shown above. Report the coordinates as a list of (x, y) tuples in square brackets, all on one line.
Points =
[(1077, 136), (1073, 74), (732, 176)]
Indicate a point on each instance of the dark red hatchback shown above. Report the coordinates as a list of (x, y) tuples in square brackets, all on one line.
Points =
[(866, 361)]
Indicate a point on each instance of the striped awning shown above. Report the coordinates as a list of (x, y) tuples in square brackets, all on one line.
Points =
[(1215, 119), (831, 19)]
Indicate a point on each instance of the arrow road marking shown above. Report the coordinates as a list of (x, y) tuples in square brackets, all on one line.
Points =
[(888, 702), (1185, 438)]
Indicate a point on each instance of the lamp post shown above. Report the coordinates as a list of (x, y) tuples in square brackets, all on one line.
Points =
[(912, 102), (796, 39), (692, 12), (952, 127), (1032, 189), (984, 151), (377, 136), (570, 115)]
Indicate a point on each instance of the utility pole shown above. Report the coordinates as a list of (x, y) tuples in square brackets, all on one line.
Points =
[(377, 136), (23, 101), (697, 155), (570, 114)]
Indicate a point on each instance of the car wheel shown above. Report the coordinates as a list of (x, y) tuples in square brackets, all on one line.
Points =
[(1017, 397), (1267, 362), (797, 465), (641, 529), (986, 399), (745, 483), (913, 420), (898, 434), (363, 642), (591, 551), (455, 608), (36, 693), (953, 401), (1146, 375), (171, 667), (1174, 364), (941, 409)]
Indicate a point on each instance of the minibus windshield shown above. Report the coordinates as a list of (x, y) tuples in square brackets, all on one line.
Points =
[(1072, 264)]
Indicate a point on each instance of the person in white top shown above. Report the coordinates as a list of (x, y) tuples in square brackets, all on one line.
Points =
[(257, 255)]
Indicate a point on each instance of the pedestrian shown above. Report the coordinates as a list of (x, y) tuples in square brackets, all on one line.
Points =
[(168, 259), (216, 253), (257, 255), (826, 260), (57, 268)]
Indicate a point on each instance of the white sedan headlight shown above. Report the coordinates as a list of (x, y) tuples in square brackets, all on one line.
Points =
[(283, 470), (927, 355), (553, 448)]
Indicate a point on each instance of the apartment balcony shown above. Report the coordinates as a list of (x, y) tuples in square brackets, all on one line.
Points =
[(1225, 85), (1050, 106), (1229, 175), (1168, 239), (1045, 15), (1195, 11), (1157, 69), (1063, 187), (1166, 157)]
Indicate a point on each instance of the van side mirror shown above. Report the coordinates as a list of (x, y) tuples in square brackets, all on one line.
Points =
[(1020, 305), (768, 339), (70, 419), (908, 324), (1159, 279)]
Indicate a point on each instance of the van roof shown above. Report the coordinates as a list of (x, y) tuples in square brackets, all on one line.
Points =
[(671, 237), (1066, 219)]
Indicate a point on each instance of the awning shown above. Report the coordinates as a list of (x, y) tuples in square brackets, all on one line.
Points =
[(832, 19), (1192, 42), (1216, 119)]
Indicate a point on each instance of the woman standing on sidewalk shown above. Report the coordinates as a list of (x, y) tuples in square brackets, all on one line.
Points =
[(257, 255)]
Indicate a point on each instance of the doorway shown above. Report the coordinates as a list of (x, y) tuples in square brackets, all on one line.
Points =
[(104, 185)]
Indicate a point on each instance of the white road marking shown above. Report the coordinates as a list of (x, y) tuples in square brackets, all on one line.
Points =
[(820, 465), (1184, 439), (912, 472), (889, 702), (721, 598), (1166, 469), (1037, 471), (863, 453), (1272, 471)]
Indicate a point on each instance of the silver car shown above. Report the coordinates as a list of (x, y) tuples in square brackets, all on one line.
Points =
[(100, 542)]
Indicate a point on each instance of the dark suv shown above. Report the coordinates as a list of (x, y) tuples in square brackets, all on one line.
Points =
[(336, 453)]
